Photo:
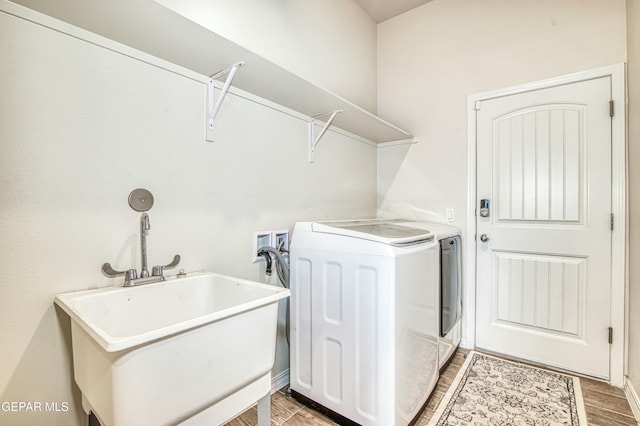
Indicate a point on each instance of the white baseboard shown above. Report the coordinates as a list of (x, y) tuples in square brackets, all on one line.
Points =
[(280, 381), (464, 344), (634, 400)]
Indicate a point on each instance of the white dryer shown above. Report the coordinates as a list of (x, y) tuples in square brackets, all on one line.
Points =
[(450, 291), (364, 319)]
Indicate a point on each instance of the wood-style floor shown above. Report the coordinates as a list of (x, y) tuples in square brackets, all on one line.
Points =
[(605, 405)]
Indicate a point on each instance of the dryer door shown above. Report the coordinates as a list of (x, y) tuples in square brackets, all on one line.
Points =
[(450, 284)]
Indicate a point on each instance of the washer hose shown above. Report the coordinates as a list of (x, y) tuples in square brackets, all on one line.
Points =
[(267, 259), (282, 269)]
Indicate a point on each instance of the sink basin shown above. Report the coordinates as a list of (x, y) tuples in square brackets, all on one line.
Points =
[(194, 350)]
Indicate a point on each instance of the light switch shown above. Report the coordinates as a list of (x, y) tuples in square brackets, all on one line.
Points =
[(450, 215)]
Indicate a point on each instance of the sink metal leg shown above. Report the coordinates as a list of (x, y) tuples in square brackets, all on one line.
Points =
[(264, 410)]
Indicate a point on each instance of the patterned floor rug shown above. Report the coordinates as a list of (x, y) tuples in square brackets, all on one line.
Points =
[(492, 391)]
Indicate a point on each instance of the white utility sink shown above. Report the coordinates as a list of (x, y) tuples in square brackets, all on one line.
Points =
[(194, 350)]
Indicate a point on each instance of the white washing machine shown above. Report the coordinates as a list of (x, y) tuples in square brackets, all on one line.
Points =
[(364, 319)]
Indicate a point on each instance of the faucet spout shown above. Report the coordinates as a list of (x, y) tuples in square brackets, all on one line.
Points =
[(141, 200), (144, 227)]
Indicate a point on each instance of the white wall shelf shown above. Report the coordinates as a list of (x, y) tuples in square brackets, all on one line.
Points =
[(154, 29)]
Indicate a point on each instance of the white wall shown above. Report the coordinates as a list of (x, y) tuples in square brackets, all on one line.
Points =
[(432, 58), (633, 71), (82, 126)]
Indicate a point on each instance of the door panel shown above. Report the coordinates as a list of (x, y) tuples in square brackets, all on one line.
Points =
[(539, 161), (544, 292), (543, 284)]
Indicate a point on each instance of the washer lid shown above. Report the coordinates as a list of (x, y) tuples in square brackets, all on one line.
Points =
[(384, 232)]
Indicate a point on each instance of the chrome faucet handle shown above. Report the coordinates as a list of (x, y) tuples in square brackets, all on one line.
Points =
[(130, 274), (158, 270)]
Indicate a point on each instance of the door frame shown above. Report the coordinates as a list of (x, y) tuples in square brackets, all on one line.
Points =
[(619, 254)]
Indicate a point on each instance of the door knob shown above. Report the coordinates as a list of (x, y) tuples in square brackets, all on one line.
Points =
[(484, 238)]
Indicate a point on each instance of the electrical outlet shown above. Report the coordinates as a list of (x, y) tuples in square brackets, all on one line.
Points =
[(281, 237), (260, 239)]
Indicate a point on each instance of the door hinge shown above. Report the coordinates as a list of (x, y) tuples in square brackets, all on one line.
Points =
[(612, 221), (476, 105), (610, 335), (611, 109)]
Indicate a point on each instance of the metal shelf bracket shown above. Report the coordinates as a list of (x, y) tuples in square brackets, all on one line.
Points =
[(214, 107), (313, 139)]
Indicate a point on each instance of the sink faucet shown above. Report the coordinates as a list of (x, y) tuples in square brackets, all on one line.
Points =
[(131, 275), (144, 227)]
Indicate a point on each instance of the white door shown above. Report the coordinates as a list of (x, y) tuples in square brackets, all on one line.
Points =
[(543, 270)]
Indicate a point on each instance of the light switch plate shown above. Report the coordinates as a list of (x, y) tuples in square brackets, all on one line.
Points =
[(450, 215)]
